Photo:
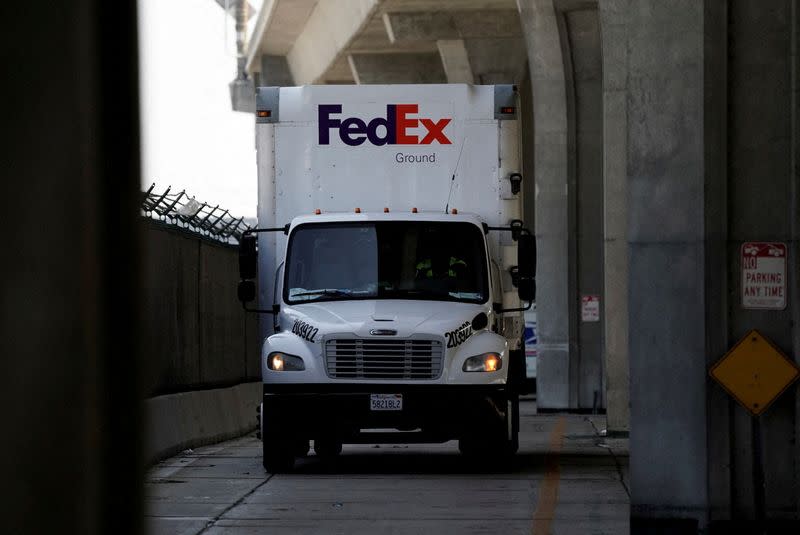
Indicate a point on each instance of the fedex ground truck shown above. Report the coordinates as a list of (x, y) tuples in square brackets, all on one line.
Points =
[(392, 266)]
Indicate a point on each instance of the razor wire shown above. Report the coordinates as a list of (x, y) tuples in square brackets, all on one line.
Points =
[(185, 212)]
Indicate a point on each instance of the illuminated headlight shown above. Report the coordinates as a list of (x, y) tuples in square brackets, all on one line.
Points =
[(281, 362), (488, 362)]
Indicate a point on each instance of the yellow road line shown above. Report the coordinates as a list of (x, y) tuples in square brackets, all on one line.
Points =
[(548, 491)]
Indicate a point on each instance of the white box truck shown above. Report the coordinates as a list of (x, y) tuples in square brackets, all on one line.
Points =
[(392, 257)]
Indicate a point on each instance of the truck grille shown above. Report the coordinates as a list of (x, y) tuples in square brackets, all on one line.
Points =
[(366, 358)]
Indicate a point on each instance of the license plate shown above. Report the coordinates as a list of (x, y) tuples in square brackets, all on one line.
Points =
[(386, 402)]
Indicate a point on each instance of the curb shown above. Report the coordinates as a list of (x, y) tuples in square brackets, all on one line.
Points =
[(175, 422)]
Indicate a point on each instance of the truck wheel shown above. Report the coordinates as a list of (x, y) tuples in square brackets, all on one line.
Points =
[(499, 440), (278, 455), (302, 447), (327, 448)]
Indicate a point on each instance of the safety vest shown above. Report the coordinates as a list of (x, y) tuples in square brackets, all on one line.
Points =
[(425, 266)]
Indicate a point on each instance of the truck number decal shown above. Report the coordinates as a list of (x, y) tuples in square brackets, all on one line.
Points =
[(459, 336), (304, 330)]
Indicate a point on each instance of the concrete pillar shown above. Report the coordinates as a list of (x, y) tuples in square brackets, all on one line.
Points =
[(761, 204), (581, 42), (712, 163), (563, 40), (550, 175), (666, 222), (614, 29), (69, 315)]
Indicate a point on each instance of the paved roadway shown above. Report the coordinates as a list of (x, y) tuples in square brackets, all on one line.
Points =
[(566, 479)]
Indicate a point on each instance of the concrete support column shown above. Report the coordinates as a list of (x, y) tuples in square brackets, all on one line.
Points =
[(666, 237), (614, 29), (552, 201)]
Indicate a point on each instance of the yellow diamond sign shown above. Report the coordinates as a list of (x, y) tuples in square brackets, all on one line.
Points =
[(755, 372)]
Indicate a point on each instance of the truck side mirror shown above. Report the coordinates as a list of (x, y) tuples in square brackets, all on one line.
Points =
[(526, 267), (248, 256), (246, 291)]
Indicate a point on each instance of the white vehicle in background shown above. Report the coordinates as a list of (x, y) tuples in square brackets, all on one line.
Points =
[(531, 342), (393, 260)]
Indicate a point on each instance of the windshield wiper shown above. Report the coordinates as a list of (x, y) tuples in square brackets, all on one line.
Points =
[(324, 291), (417, 292)]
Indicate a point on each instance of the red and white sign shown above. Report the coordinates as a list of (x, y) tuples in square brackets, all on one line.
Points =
[(764, 275), (590, 308)]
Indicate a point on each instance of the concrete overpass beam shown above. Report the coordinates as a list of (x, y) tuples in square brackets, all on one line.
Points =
[(455, 61), (331, 26), (497, 60), (398, 68), (275, 71), (404, 27), (423, 26)]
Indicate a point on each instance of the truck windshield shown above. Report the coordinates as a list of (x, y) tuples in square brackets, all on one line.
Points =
[(386, 260)]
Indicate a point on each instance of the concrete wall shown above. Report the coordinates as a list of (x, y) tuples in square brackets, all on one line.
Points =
[(69, 316), (196, 333), (761, 204), (175, 422)]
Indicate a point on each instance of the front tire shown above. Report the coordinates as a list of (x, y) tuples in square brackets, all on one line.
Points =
[(278, 455), (498, 439), (279, 446), (327, 448)]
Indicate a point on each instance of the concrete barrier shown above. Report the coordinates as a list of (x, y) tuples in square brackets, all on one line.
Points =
[(175, 422), (196, 335)]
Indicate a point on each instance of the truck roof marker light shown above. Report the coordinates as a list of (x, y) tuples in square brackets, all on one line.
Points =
[(385, 210), (507, 110), (317, 211), (414, 210), (264, 113), (454, 211), (357, 210)]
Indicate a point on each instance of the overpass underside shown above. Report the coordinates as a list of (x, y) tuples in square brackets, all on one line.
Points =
[(658, 138)]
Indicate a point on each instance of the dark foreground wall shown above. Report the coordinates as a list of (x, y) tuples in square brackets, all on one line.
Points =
[(69, 310), (196, 334)]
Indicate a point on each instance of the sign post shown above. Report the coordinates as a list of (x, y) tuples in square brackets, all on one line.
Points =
[(755, 373)]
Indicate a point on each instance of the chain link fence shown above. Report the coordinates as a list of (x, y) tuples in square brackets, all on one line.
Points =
[(183, 211)]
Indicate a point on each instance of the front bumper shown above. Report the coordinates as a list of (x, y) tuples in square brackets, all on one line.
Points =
[(431, 413)]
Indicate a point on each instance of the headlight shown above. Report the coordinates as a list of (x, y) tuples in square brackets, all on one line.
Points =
[(488, 362), (281, 362)]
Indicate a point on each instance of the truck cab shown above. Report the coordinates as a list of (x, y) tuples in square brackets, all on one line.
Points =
[(394, 325)]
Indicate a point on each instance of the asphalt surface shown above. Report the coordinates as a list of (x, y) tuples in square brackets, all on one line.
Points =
[(566, 479)]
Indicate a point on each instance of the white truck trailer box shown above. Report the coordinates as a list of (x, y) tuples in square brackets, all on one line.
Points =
[(389, 235)]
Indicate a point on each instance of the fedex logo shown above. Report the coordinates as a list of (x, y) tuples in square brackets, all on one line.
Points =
[(399, 119)]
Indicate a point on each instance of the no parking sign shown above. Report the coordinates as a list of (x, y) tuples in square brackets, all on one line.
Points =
[(763, 275)]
